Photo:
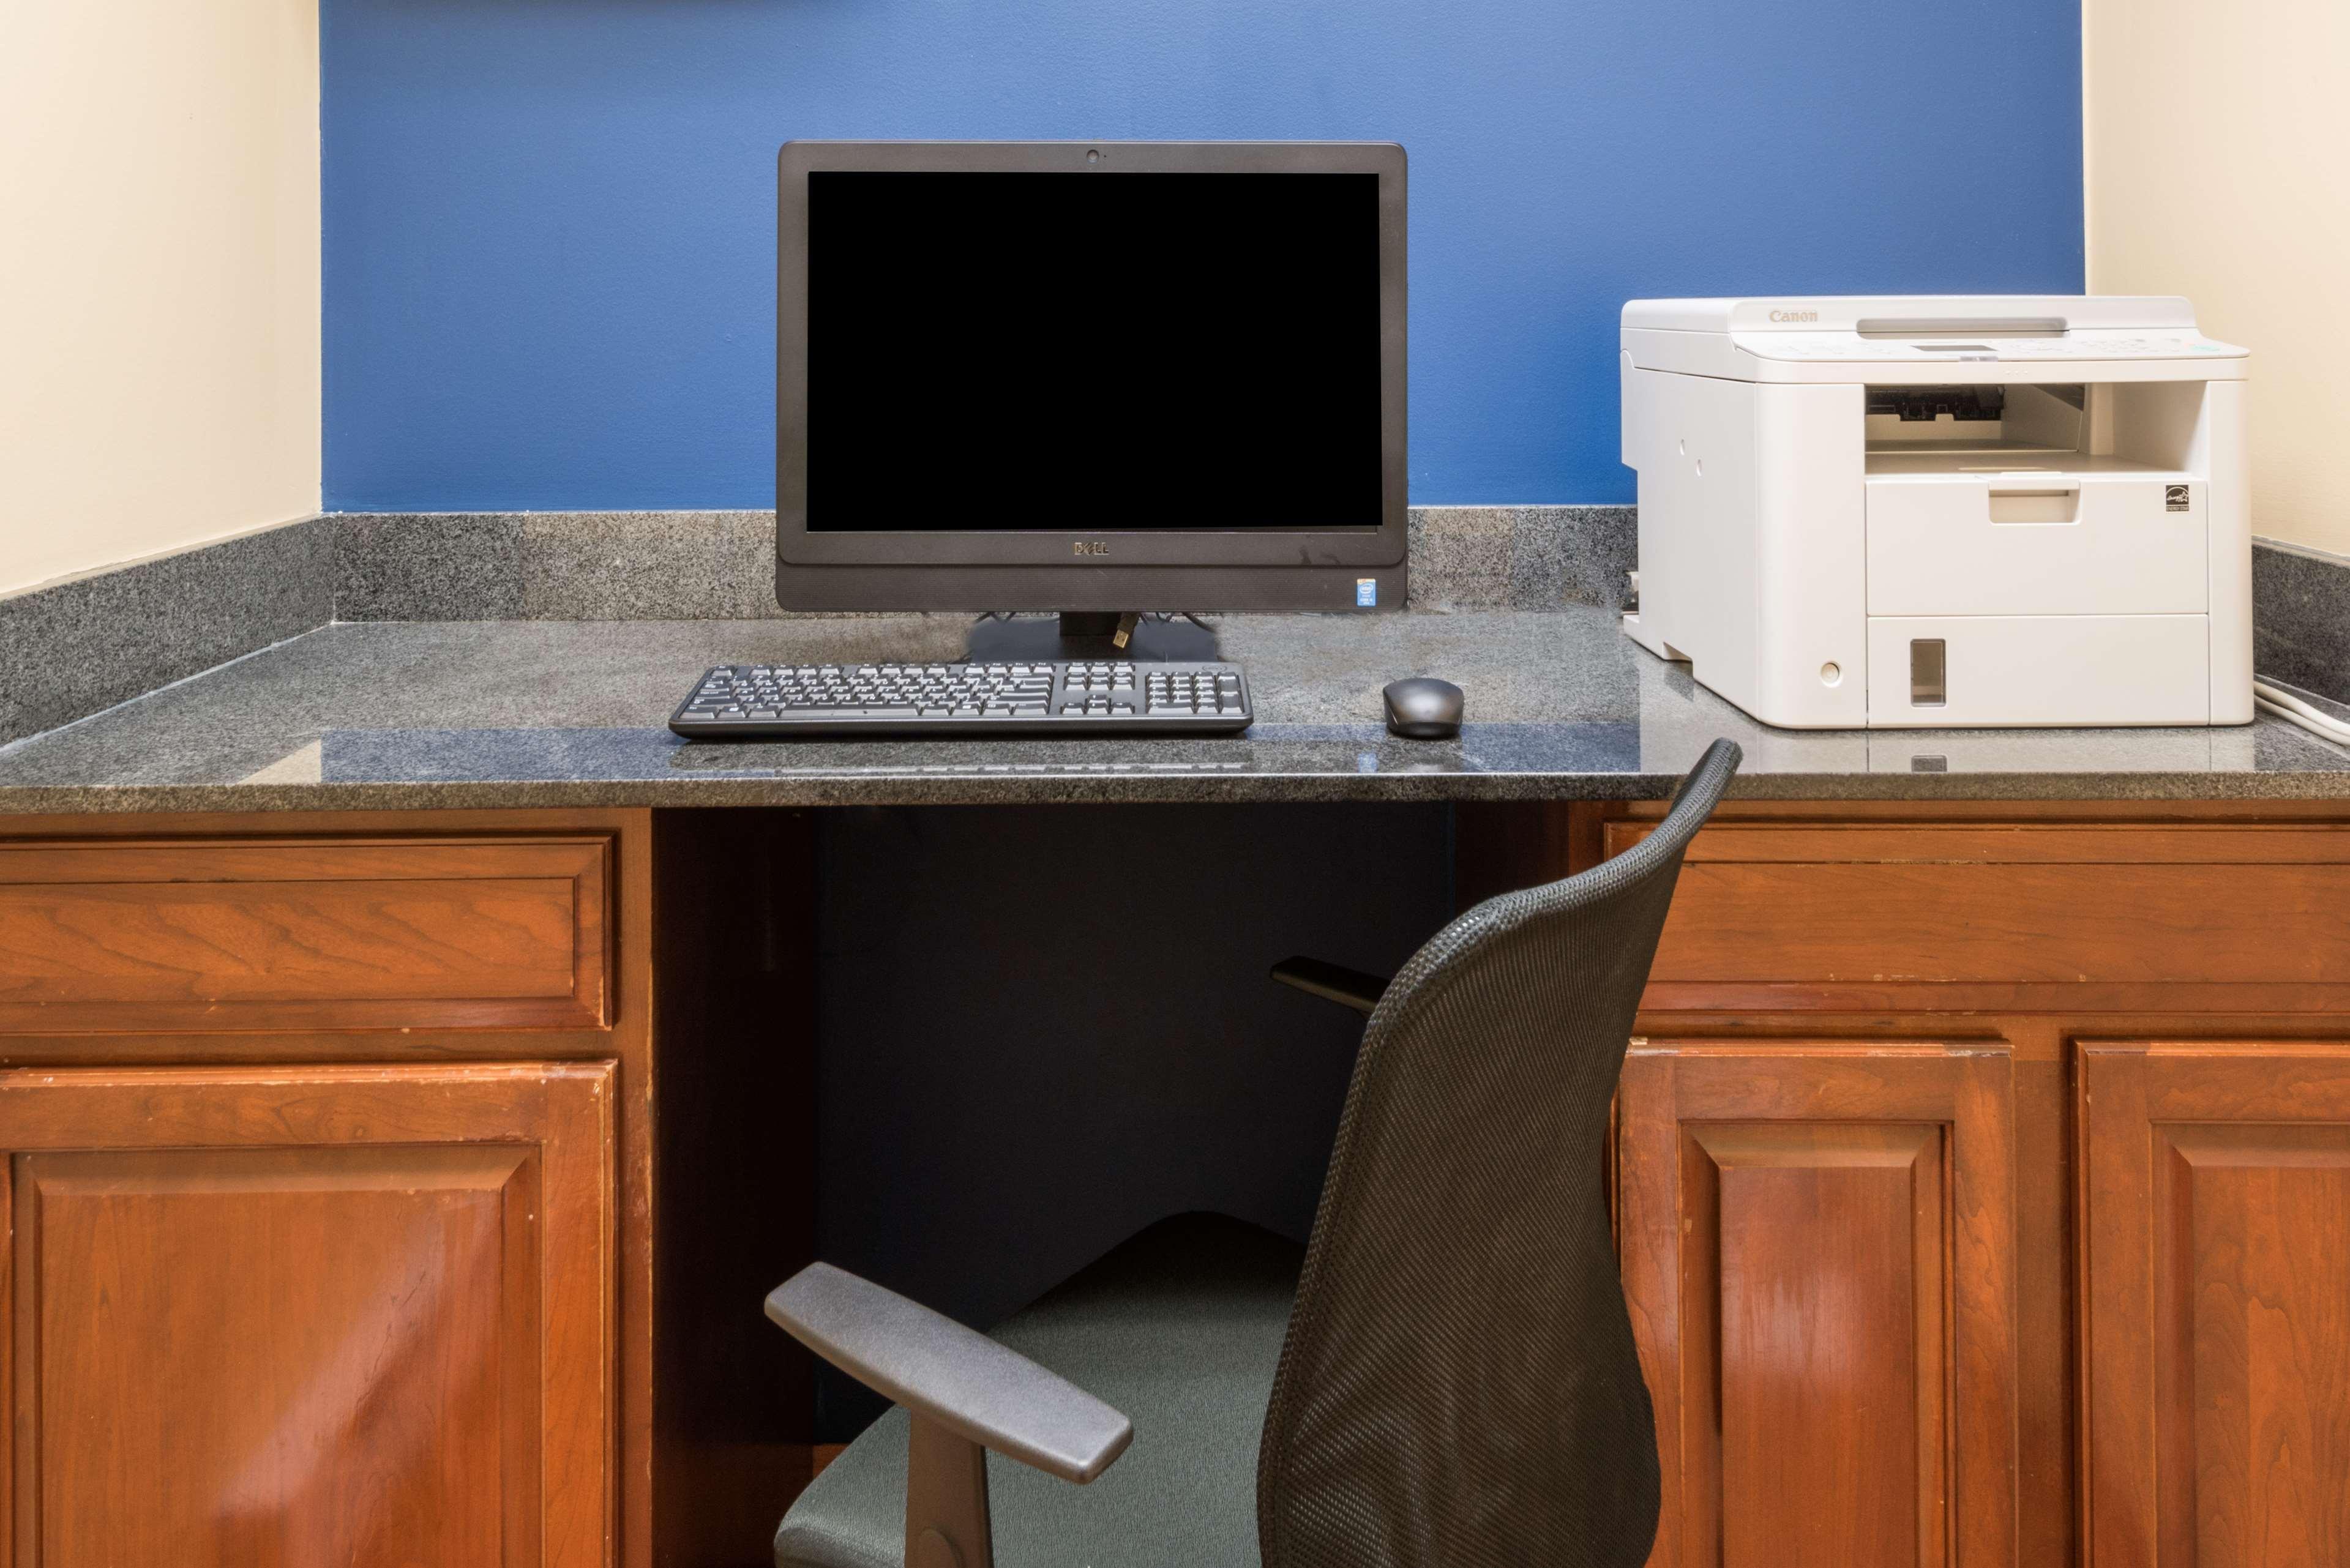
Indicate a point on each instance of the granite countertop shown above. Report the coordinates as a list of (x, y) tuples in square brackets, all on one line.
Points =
[(551, 714)]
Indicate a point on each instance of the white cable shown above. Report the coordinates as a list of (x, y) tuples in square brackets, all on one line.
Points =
[(2294, 710)]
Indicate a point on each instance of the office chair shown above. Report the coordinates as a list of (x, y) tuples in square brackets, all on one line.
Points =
[(1447, 1375)]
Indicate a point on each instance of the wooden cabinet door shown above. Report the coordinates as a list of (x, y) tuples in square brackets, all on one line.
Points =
[(282, 1318), (1819, 1255), (2215, 1291)]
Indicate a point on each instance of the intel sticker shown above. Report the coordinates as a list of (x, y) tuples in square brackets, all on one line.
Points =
[(1366, 593)]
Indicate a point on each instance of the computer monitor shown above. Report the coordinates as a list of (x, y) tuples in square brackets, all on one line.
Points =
[(1090, 376)]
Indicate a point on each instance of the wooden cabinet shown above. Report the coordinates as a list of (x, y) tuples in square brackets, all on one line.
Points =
[(2215, 1289), (2122, 1028), (336, 1236), (1818, 1247), (358, 1315), (1983, 1179), (330, 1177)]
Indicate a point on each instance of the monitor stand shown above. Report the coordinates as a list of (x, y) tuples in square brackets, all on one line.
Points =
[(1091, 635)]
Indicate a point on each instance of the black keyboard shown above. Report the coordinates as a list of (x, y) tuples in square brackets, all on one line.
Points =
[(738, 701)]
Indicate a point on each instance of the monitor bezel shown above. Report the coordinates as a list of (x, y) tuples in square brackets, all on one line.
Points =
[(1369, 545)]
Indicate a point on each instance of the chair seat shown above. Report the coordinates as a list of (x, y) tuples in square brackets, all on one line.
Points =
[(1180, 1328)]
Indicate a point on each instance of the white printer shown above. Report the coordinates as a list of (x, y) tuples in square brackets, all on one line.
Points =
[(1874, 512)]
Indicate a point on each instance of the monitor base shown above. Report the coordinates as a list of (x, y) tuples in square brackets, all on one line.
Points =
[(1091, 635)]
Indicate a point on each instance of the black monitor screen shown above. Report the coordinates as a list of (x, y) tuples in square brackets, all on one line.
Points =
[(1092, 352)]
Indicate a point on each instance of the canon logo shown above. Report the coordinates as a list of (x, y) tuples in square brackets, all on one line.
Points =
[(1089, 547), (1794, 315)]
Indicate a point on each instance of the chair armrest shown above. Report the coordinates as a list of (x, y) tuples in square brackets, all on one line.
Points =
[(937, 1368), (1332, 983)]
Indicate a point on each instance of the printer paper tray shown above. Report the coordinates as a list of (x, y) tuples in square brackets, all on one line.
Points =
[(2053, 543), (2041, 669)]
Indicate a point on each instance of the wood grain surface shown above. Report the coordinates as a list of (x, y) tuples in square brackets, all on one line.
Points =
[(2215, 1283), (1819, 1255), (2018, 914), (102, 936), (297, 1316)]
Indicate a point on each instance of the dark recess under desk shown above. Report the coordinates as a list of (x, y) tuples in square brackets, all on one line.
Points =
[(1039, 1030)]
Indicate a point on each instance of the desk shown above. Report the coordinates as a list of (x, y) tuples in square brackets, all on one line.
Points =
[(357, 1085)]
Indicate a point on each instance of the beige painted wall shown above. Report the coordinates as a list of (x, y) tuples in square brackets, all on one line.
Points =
[(2216, 131), (159, 276)]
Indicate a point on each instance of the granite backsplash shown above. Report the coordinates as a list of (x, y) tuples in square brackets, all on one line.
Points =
[(2300, 618), (720, 565), (77, 647)]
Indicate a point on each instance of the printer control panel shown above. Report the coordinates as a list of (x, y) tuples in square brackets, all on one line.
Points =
[(1961, 350)]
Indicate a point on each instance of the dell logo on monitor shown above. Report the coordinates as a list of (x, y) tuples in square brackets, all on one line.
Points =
[(1089, 547)]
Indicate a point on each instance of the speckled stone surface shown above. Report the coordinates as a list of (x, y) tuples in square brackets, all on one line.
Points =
[(1565, 556), (1460, 557), (80, 647), (1521, 557), (428, 565), (720, 565), (2300, 617), (649, 565), (1560, 706)]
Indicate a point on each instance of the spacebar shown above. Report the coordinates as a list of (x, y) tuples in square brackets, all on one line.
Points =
[(850, 711)]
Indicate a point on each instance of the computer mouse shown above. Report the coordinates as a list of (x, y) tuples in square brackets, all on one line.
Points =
[(1423, 708)]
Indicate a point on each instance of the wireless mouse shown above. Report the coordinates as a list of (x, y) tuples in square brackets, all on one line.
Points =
[(1423, 708)]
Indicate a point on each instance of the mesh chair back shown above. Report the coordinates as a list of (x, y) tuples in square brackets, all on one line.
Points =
[(1458, 1386)]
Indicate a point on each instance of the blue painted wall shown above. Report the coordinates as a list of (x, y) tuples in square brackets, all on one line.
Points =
[(549, 224)]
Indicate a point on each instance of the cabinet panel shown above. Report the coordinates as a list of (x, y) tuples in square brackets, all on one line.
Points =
[(1984, 915), (1818, 1254), (358, 1315), (1868, 1334), (2216, 1291), (304, 934)]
